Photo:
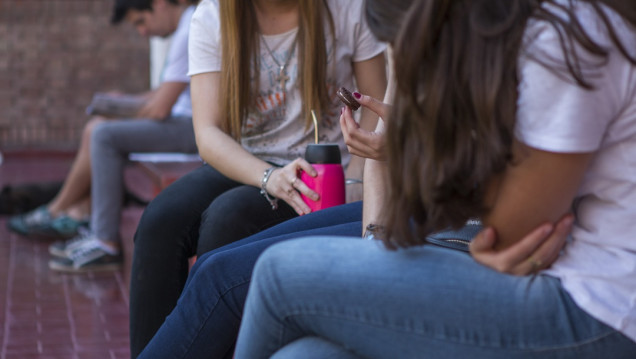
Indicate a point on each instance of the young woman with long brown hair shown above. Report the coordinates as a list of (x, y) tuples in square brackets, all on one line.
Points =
[(515, 112), (258, 69)]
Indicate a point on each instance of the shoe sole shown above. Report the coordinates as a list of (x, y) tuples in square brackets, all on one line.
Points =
[(58, 253), (65, 269)]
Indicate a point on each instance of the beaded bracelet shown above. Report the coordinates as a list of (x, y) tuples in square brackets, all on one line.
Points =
[(272, 200)]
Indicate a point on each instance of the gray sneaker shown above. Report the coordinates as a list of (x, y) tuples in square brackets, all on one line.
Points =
[(63, 249), (89, 256)]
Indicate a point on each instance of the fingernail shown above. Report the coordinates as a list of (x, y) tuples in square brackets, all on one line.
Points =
[(357, 95), (568, 221)]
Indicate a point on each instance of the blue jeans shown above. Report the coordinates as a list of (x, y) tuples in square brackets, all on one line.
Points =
[(205, 322), (200, 212), (350, 298)]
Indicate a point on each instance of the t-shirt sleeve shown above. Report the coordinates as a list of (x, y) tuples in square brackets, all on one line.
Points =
[(556, 114), (176, 66), (366, 45), (205, 39)]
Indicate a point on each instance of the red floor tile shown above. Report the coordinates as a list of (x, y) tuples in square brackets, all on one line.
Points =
[(50, 315)]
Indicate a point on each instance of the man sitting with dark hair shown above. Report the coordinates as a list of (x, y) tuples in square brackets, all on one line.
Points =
[(163, 123)]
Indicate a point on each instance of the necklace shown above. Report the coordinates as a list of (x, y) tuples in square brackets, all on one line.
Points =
[(282, 69)]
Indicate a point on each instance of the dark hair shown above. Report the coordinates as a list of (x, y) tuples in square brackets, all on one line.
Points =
[(384, 17), (121, 7), (451, 128)]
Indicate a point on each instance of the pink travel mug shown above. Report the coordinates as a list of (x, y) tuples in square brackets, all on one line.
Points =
[(330, 181)]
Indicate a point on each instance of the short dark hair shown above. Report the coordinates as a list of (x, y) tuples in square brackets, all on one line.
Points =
[(121, 8)]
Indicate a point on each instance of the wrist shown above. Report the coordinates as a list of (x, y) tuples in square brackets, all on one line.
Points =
[(273, 201), (374, 231)]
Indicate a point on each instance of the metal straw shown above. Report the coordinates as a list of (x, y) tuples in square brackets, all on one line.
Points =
[(313, 117)]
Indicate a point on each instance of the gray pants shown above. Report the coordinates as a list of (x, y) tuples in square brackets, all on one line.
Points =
[(111, 143)]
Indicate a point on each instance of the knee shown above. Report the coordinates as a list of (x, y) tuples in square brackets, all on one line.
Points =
[(87, 133), (154, 222), (100, 134), (227, 213)]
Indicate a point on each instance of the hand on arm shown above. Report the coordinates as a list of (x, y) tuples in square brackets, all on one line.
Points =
[(537, 188), (536, 251), (160, 101)]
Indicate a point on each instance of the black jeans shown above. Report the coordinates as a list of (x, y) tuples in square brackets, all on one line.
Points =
[(201, 211)]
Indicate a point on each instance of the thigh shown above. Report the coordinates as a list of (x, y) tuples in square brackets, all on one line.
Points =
[(238, 213), (175, 214), (212, 302), (404, 303), (175, 134), (344, 220)]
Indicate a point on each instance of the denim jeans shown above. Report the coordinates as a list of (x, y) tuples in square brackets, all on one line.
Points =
[(318, 295), (201, 211), (205, 321)]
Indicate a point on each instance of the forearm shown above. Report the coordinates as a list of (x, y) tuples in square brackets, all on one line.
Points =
[(227, 156), (538, 187), (160, 101), (374, 192)]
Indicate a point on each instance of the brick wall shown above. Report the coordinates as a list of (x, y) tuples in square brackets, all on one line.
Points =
[(54, 54)]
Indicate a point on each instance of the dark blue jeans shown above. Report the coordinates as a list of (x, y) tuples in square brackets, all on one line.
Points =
[(200, 212), (205, 322)]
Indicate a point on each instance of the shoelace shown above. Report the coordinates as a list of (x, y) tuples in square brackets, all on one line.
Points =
[(88, 248), (82, 237)]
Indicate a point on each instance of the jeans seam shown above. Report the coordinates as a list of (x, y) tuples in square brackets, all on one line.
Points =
[(432, 336), (209, 315)]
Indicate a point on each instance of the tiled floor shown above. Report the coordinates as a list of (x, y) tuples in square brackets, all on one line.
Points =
[(49, 315)]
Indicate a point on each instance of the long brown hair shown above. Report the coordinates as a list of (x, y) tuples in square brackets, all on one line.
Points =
[(451, 128), (241, 46)]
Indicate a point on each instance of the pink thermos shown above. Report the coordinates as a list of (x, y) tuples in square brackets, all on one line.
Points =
[(330, 181)]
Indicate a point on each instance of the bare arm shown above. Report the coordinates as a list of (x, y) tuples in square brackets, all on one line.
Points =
[(160, 101), (538, 189), (371, 79), (226, 155)]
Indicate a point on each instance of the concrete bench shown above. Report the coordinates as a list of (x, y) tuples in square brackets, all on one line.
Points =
[(164, 168)]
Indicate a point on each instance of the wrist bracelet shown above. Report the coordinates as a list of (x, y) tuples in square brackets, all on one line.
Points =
[(374, 231), (272, 200), (352, 181)]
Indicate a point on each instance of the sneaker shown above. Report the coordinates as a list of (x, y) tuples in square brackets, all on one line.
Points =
[(90, 256), (63, 249), (38, 219), (40, 222)]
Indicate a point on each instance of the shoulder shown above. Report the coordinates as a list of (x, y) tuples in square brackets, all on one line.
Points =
[(346, 11), (205, 23), (593, 19), (206, 12)]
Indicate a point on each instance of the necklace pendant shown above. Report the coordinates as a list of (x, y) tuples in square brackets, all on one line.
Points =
[(282, 77)]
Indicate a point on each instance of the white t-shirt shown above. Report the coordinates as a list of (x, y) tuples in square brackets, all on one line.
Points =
[(598, 266), (176, 65), (275, 130)]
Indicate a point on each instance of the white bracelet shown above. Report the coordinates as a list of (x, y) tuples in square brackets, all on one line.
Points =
[(272, 201), (352, 181)]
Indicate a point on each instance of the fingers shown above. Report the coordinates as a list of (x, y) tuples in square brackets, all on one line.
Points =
[(536, 251), (285, 184), (379, 107), (550, 248), (359, 141), (484, 241)]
